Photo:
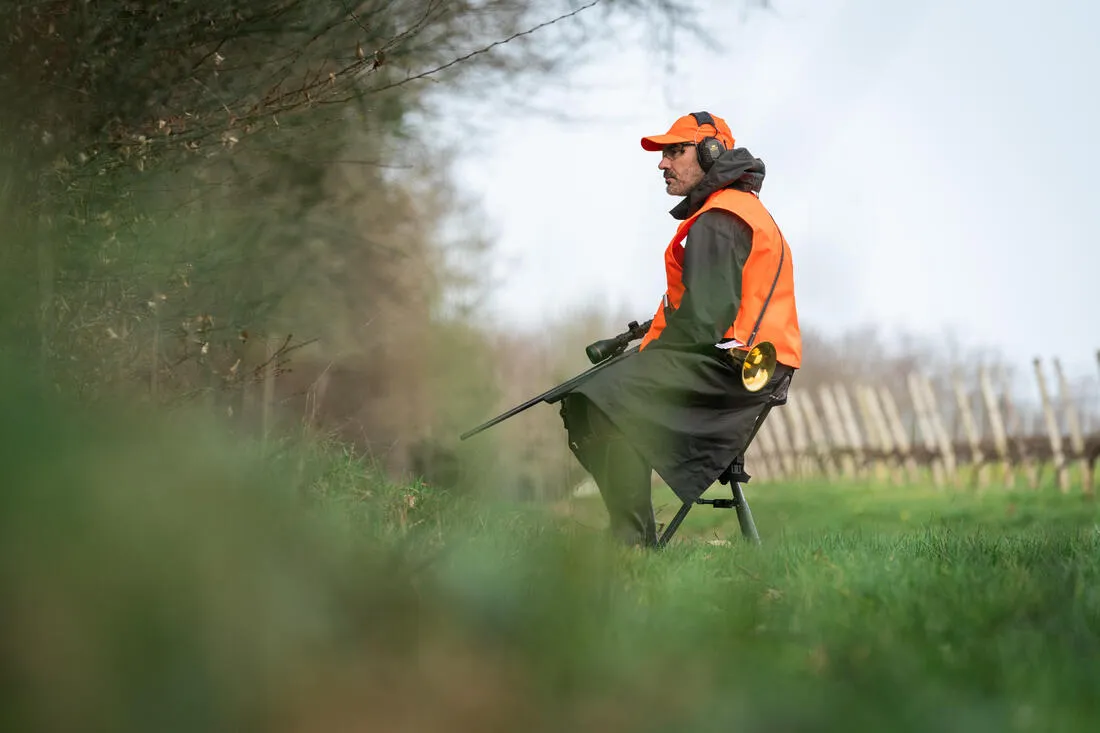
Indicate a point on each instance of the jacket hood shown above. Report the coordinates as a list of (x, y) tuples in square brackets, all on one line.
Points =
[(736, 168)]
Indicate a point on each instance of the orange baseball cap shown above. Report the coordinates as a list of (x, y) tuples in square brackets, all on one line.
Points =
[(688, 130)]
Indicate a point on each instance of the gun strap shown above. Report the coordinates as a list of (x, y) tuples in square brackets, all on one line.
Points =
[(775, 282)]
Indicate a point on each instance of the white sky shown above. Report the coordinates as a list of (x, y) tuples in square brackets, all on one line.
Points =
[(932, 163)]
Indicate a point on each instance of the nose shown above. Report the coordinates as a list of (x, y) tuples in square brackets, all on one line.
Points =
[(664, 164)]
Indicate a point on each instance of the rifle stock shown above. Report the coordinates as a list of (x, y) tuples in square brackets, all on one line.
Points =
[(610, 350)]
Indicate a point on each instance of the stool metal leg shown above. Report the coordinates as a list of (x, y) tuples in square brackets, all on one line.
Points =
[(738, 502), (674, 524), (744, 515)]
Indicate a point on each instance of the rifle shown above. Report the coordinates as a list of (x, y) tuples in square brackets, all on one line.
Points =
[(602, 354)]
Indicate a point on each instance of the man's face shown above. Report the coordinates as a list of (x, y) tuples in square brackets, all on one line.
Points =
[(680, 164)]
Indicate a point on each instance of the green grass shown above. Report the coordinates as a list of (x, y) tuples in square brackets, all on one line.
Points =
[(808, 508), (162, 574)]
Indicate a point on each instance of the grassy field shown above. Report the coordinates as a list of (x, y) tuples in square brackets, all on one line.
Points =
[(162, 574)]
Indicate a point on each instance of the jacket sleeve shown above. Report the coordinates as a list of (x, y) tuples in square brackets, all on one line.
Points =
[(715, 252)]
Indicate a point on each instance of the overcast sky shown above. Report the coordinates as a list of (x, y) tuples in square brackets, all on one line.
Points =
[(932, 163)]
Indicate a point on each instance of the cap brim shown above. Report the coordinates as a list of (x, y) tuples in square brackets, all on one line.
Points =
[(658, 142)]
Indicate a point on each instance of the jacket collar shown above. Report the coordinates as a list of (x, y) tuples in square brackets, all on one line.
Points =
[(736, 169)]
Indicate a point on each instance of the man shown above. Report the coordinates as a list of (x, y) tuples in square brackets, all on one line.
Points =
[(678, 406)]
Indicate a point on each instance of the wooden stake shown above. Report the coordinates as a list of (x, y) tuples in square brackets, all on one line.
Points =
[(897, 430), (1077, 440), (771, 453), (783, 441), (838, 436), (756, 457), (978, 474), (997, 427), (924, 424), (818, 437), (873, 412), (947, 450), (851, 427), (1016, 432), (799, 435), (1053, 431), (889, 443), (870, 435)]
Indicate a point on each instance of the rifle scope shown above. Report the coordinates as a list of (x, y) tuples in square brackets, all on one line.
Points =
[(604, 349)]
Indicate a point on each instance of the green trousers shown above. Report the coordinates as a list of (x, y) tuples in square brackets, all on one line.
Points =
[(621, 473)]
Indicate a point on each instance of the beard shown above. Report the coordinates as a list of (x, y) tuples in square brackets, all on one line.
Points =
[(674, 186), (680, 183)]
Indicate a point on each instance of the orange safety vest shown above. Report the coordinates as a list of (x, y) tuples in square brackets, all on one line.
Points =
[(780, 324)]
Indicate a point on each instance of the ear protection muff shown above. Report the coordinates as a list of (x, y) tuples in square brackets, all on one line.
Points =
[(709, 148)]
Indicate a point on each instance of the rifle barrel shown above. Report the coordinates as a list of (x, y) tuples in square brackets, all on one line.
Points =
[(550, 396), (501, 417)]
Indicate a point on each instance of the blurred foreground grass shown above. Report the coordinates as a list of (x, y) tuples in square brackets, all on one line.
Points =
[(157, 573)]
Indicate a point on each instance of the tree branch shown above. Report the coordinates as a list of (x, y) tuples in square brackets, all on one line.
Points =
[(485, 49)]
